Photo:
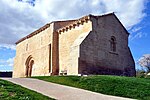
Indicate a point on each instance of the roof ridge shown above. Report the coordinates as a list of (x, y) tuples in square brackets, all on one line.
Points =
[(76, 22), (34, 33), (79, 21)]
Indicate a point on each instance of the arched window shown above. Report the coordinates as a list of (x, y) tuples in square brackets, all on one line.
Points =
[(113, 44)]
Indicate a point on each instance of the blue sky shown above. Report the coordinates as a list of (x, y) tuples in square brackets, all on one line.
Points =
[(139, 42), (18, 18)]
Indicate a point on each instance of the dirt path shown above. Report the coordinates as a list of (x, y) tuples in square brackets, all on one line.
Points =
[(60, 92)]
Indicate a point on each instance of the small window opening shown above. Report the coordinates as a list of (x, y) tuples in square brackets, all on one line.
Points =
[(26, 47), (113, 44)]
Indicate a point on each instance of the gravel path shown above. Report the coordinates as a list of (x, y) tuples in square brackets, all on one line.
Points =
[(60, 92)]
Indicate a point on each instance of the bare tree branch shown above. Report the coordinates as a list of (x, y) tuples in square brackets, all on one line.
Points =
[(144, 61)]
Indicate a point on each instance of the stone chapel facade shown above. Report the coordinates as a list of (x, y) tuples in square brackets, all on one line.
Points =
[(86, 46)]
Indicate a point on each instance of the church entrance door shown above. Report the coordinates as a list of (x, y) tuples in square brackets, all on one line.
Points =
[(29, 64)]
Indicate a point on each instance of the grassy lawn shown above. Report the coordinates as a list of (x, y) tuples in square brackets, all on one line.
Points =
[(130, 87), (10, 91)]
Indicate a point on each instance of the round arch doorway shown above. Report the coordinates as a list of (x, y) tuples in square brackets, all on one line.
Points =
[(29, 64)]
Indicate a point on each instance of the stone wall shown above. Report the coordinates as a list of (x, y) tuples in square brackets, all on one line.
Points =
[(37, 46), (69, 42), (96, 56), (76, 47)]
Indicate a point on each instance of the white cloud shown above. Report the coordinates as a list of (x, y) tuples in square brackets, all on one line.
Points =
[(137, 35), (8, 46), (130, 12), (18, 19), (136, 29), (6, 64)]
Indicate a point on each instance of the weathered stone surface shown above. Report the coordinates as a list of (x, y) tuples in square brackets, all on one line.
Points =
[(96, 56), (89, 45)]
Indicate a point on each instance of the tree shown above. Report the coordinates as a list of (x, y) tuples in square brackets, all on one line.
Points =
[(144, 61)]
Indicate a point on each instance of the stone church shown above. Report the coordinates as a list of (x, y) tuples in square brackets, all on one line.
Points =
[(90, 45)]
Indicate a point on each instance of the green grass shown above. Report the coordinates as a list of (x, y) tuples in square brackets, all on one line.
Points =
[(130, 87), (10, 91)]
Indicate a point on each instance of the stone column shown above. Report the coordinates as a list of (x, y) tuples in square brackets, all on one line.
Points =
[(55, 54)]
